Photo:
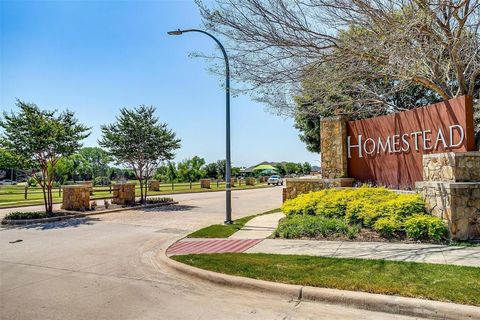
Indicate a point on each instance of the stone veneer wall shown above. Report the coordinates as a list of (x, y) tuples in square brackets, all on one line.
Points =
[(294, 187), (333, 137), (124, 193), (461, 166), (451, 189), (154, 185), (205, 183), (250, 181), (76, 197)]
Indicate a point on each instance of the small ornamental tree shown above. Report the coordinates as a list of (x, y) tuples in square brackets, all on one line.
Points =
[(137, 140), (41, 139)]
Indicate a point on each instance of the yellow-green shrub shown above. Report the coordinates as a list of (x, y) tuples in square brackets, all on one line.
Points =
[(305, 203), (388, 226), (425, 227)]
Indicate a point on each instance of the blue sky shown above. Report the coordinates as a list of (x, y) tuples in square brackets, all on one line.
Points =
[(96, 57)]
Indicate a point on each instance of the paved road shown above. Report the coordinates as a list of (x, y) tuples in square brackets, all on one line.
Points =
[(104, 268)]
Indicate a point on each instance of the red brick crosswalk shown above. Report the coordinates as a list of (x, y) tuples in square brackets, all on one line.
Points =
[(211, 246)]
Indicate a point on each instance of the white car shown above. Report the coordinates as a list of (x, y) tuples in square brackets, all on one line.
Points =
[(276, 180), (7, 182)]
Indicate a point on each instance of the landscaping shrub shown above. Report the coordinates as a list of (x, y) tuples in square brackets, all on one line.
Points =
[(425, 227), (387, 212), (388, 226), (24, 215), (301, 226)]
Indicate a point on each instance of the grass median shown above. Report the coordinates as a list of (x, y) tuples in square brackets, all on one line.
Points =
[(450, 283), (225, 230)]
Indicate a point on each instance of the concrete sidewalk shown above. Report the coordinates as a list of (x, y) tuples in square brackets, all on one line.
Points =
[(429, 253), (260, 227)]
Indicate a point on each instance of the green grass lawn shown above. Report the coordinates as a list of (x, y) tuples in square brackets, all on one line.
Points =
[(225, 230), (457, 284), (14, 195)]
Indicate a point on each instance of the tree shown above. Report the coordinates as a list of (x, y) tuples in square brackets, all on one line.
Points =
[(98, 160), (274, 45), (280, 168), (291, 168), (320, 97), (41, 139), (138, 140), (221, 165), (191, 169), (73, 167), (306, 168), (211, 170), (235, 171)]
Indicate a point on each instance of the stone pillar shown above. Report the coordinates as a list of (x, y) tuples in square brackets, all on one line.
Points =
[(124, 193), (76, 197), (88, 184), (154, 185), (333, 144), (250, 181), (205, 183), (451, 189), (296, 186)]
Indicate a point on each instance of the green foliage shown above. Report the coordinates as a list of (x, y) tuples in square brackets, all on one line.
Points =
[(139, 141), (295, 227), (380, 209), (41, 139), (98, 160), (190, 170), (10, 160), (424, 227), (102, 181), (388, 226), (74, 167), (211, 170), (24, 215)]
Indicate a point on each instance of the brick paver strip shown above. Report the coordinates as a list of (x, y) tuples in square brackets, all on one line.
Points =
[(211, 246)]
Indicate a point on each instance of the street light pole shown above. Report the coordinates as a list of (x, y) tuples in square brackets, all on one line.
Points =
[(228, 164)]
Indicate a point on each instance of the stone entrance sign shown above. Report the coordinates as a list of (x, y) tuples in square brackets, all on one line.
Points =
[(76, 197), (154, 185), (124, 193), (205, 183), (388, 149), (429, 149)]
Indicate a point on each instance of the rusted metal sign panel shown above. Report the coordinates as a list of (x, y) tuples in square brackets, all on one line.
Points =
[(388, 149)]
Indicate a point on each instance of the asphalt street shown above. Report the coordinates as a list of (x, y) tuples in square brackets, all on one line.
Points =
[(104, 267)]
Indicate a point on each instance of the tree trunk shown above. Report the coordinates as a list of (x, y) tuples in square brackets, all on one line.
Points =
[(49, 198), (45, 202), (141, 189), (146, 188)]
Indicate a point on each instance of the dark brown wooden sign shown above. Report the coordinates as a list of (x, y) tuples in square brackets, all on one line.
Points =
[(388, 149)]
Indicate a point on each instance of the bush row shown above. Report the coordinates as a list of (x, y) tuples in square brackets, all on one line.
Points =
[(389, 213)]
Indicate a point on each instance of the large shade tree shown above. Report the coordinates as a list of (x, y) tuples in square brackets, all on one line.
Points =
[(139, 141), (359, 56), (272, 44), (41, 139)]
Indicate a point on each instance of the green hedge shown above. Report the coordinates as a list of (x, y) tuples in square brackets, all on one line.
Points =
[(313, 227), (387, 212)]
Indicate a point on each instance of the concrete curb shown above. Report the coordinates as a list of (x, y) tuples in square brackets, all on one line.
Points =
[(362, 300), (81, 215)]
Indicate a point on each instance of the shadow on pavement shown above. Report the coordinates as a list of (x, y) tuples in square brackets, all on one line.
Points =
[(69, 223), (172, 207)]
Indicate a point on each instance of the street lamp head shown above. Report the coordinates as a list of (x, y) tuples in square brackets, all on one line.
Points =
[(175, 33)]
